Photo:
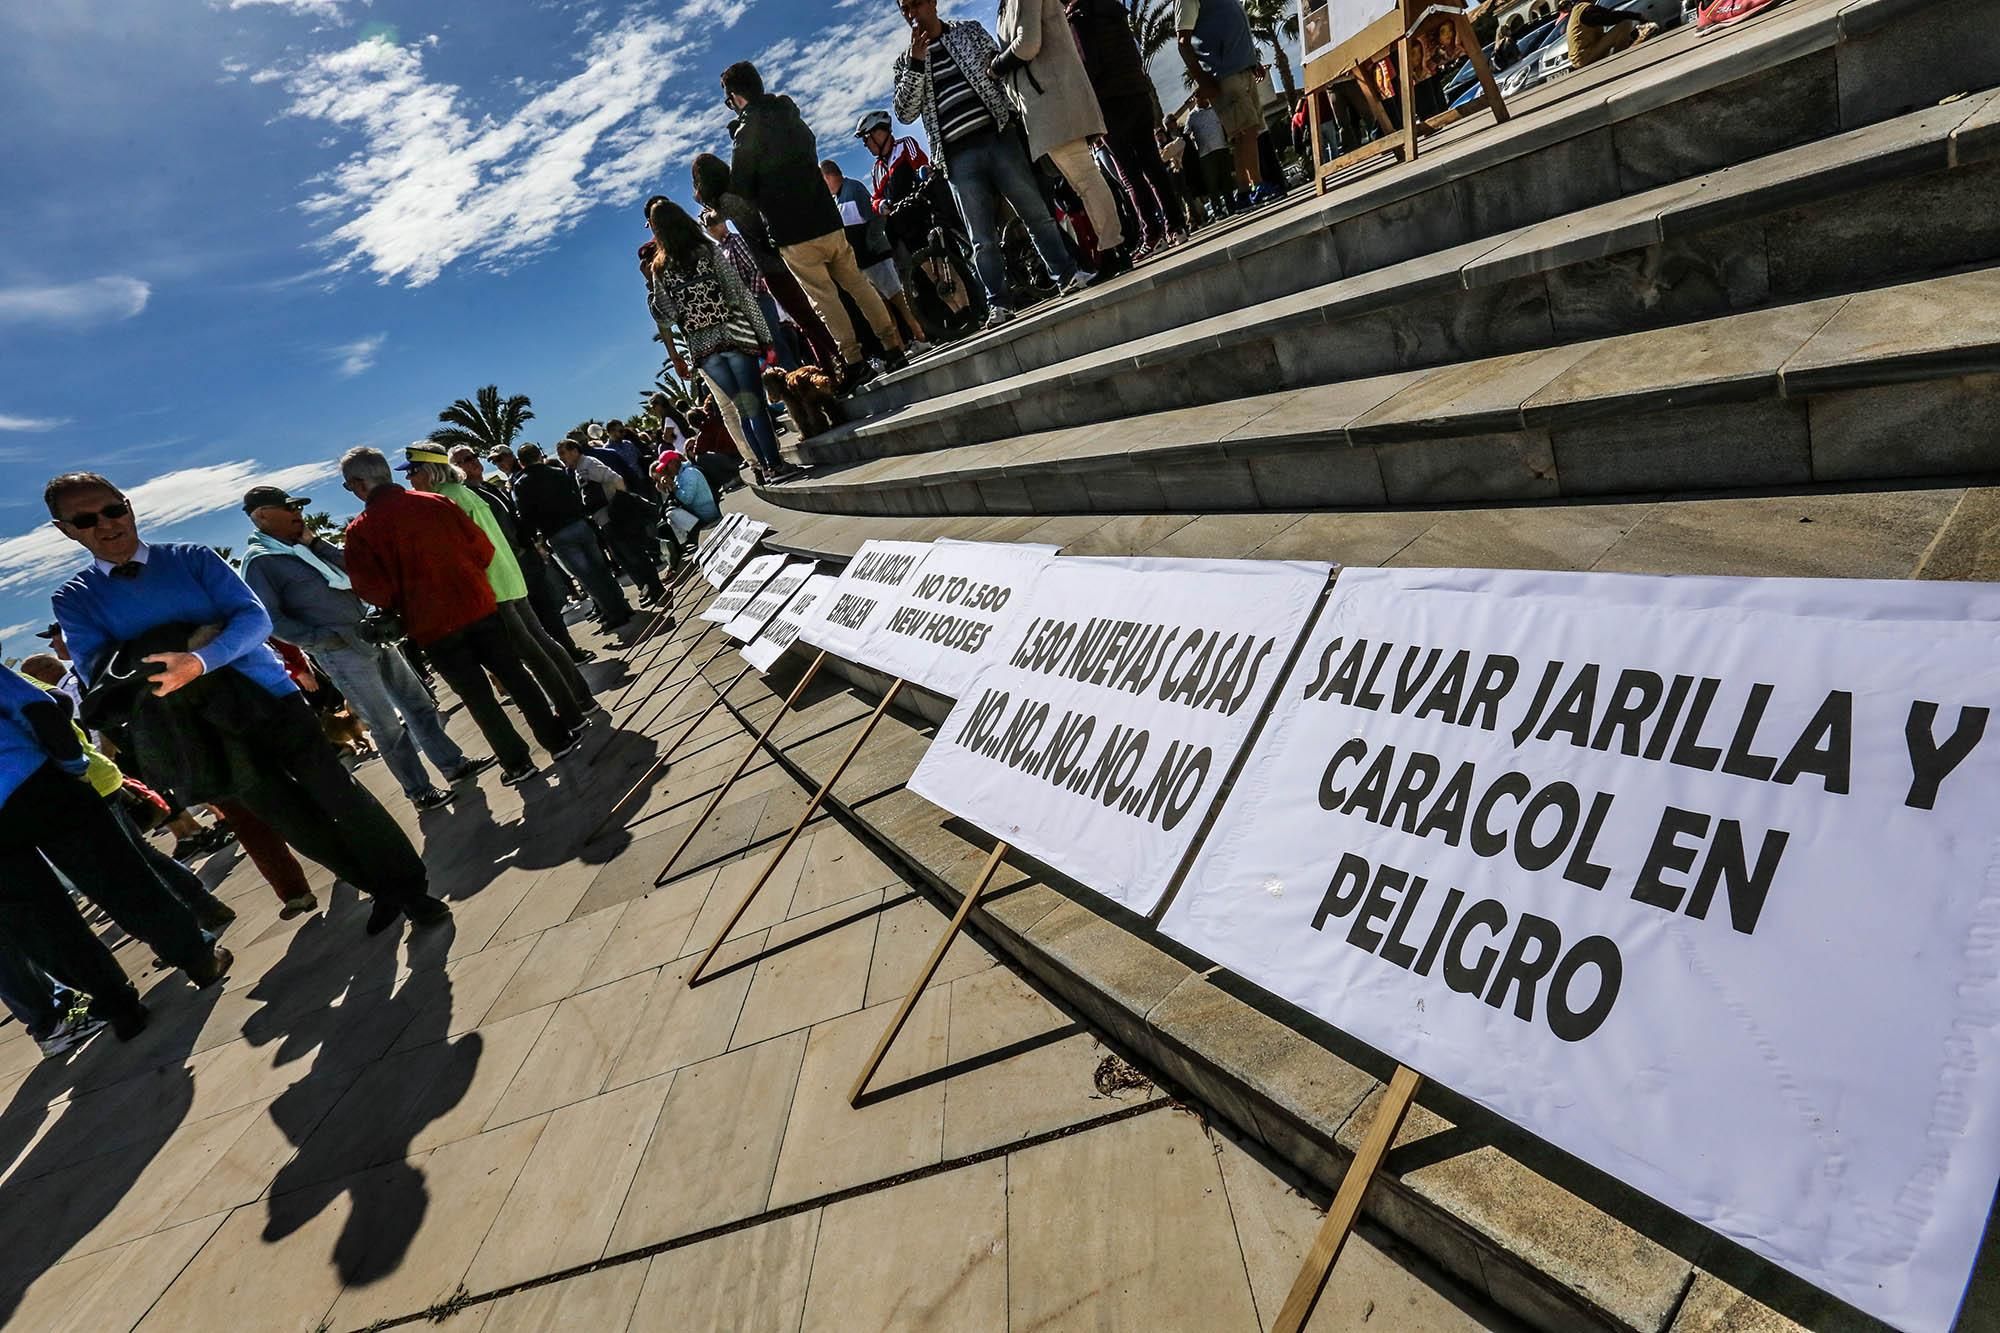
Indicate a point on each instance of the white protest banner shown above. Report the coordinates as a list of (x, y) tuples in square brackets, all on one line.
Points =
[(749, 581), (733, 550), (841, 621), (1697, 879), (715, 539), (1105, 718), (933, 627), (782, 632), (750, 621)]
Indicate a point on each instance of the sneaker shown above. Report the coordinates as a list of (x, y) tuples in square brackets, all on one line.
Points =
[(514, 777), (425, 912), (894, 359), (996, 315), (76, 1028), (431, 799), (382, 916), (575, 743), (215, 915), (216, 969), (299, 906), (471, 768), (1078, 281), (917, 349)]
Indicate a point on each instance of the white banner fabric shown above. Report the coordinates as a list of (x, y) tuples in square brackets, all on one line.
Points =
[(782, 632), (1698, 879), (742, 589), (750, 621), (934, 628), (841, 620), (733, 550), (714, 539), (1099, 729)]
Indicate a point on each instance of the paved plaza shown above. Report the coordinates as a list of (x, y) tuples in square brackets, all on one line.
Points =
[(528, 1118)]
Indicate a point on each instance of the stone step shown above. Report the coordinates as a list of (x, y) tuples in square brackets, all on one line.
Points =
[(1556, 1244), (1673, 108), (1906, 197), (1896, 382)]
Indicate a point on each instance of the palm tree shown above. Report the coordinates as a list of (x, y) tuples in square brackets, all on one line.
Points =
[(679, 392), (485, 423), (1276, 24), (323, 524)]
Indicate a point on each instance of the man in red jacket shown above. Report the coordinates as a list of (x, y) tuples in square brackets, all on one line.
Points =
[(422, 557)]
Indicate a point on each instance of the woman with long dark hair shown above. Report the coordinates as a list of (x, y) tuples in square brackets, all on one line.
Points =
[(692, 287)]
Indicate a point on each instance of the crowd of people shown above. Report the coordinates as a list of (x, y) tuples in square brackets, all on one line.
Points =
[(176, 682)]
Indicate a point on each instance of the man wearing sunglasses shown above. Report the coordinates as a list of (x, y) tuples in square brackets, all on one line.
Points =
[(289, 776)]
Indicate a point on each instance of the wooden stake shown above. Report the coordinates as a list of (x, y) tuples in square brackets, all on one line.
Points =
[(804, 816), (666, 756), (756, 747), (659, 651), (929, 970), (1346, 1206), (1482, 67), (674, 698), (1406, 91)]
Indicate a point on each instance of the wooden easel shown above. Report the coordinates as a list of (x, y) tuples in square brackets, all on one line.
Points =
[(805, 817), (1342, 1213), (930, 968), (1351, 59), (756, 747)]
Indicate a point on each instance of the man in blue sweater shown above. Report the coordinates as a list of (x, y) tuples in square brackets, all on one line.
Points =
[(291, 780)]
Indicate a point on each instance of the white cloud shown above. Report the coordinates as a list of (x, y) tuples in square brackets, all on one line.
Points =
[(355, 357), (38, 557), (92, 301), (10, 422), (327, 9), (10, 632), (434, 182)]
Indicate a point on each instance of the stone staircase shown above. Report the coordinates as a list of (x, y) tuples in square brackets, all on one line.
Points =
[(1724, 304)]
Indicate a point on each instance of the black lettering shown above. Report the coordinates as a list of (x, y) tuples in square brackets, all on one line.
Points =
[(1344, 890), (1668, 854), (1727, 862), (1931, 763), (1568, 1022), (1825, 747), (1470, 978), (1362, 934), (1518, 967)]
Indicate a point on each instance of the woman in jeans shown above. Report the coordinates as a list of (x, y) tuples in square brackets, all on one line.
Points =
[(694, 289)]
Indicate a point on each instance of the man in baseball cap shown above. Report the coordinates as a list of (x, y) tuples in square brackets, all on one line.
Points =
[(272, 497)]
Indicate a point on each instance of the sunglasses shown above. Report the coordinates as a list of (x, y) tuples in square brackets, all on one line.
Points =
[(88, 518)]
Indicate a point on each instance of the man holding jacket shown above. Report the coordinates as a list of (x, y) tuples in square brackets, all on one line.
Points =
[(302, 581), (776, 167)]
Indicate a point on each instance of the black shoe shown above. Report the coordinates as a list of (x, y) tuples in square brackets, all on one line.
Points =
[(582, 656), (214, 916), (569, 748), (471, 768), (426, 912), (382, 916), (894, 359), (855, 376), (129, 1024), (216, 969), (431, 799), (514, 777)]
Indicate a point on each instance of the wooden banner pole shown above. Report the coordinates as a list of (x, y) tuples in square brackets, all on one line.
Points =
[(1346, 1206), (652, 659), (756, 748), (805, 816), (665, 676), (929, 970), (666, 756)]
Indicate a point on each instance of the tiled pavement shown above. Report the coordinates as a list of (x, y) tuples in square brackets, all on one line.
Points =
[(361, 1130)]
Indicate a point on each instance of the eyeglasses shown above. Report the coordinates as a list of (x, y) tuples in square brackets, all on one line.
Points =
[(88, 518)]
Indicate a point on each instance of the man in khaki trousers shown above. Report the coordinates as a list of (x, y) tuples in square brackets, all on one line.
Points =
[(776, 167)]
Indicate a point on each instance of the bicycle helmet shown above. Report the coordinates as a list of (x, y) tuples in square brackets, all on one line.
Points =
[(871, 120)]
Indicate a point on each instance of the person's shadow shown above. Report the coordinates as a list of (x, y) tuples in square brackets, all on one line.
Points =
[(354, 1129), (97, 1144)]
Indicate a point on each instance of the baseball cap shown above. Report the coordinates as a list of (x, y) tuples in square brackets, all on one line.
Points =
[(51, 632), (422, 453), (265, 497)]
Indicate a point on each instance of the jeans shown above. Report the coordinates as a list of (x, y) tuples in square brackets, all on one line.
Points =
[(575, 544), (736, 373), (781, 334), (56, 816), (386, 694), (984, 170), (299, 787), (568, 694), (632, 543), (27, 992), (463, 658)]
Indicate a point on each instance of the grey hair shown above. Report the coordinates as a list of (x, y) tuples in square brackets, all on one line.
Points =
[(362, 463), (430, 476), (459, 451)]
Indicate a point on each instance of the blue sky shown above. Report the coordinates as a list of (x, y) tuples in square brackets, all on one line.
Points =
[(242, 236)]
